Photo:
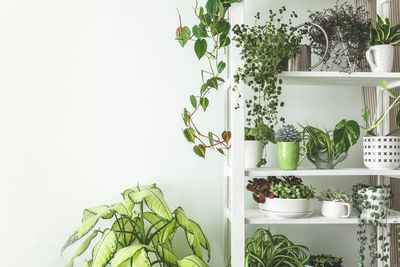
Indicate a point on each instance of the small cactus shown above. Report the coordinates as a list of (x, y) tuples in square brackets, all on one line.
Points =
[(287, 133)]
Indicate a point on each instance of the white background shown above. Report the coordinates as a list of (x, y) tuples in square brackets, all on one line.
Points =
[(91, 93)]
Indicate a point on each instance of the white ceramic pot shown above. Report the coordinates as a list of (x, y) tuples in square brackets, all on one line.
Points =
[(253, 152), (381, 152), (374, 198), (287, 208), (380, 58), (335, 209)]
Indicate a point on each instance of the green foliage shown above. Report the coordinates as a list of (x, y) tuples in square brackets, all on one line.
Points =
[(376, 205), (266, 250), (288, 191), (344, 24), (260, 132), (373, 121), (287, 133), (336, 142), (333, 194), (384, 33), (210, 37), (139, 237), (265, 49), (325, 261)]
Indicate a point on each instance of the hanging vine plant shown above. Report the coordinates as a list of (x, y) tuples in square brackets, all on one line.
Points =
[(371, 205), (210, 38), (265, 51)]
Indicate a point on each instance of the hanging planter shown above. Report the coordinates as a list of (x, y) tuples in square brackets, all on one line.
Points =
[(381, 152)]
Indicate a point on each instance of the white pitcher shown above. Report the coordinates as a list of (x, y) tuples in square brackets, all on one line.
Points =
[(380, 58)]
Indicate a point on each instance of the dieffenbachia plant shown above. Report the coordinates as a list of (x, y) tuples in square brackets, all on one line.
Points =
[(210, 37), (138, 237)]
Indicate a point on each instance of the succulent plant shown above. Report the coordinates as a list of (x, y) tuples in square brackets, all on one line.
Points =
[(287, 133)]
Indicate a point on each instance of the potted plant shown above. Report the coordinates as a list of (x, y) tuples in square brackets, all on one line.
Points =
[(256, 139), (334, 203), (381, 152), (282, 198), (371, 202), (265, 50), (382, 37), (265, 249), (325, 261), (138, 237), (287, 139), (346, 27), (325, 149)]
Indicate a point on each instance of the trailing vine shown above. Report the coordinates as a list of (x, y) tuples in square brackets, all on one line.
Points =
[(210, 37), (371, 207)]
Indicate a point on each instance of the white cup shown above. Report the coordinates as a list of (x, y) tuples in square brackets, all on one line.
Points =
[(334, 209)]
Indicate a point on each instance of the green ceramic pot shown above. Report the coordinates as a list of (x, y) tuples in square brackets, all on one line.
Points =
[(289, 154)]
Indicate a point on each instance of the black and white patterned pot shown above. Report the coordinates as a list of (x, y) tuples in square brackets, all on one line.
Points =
[(381, 152)]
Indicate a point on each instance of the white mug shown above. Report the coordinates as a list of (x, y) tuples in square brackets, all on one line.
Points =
[(380, 58), (335, 209)]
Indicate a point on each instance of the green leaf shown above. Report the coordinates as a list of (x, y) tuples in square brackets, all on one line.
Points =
[(87, 263), (222, 26), (154, 200), (200, 47), (185, 36), (193, 101), (185, 116), (199, 31), (125, 229), (189, 135), (191, 261), (224, 40), (105, 248), (206, 19), (211, 138), (123, 208), (194, 233), (81, 231), (167, 255), (203, 88), (211, 7), (204, 102), (221, 66), (167, 231), (226, 135), (83, 247), (129, 252), (213, 82), (345, 134), (103, 211), (200, 151), (155, 220)]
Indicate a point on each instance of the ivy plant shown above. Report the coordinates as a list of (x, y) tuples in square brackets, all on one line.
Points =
[(377, 206), (325, 261), (138, 236), (210, 37), (265, 50)]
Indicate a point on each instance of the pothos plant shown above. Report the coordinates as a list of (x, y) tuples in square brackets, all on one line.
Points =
[(265, 50), (138, 237), (210, 37), (371, 204)]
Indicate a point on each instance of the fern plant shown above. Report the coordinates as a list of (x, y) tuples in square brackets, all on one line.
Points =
[(138, 237)]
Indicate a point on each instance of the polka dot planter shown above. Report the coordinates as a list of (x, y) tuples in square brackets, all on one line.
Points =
[(381, 152)]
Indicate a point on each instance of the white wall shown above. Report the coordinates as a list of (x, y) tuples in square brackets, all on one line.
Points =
[(91, 93)]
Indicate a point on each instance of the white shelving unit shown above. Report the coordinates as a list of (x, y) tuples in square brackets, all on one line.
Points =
[(235, 215)]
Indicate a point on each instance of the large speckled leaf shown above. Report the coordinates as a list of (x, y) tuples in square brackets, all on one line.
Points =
[(83, 247), (168, 231), (124, 208), (346, 134), (140, 259), (126, 229), (102, 211), (194, 234), (154, 200), (192, 261), (134, 251), (154, 219), (137, 188), (167, 255), (82, 230), (105, 248)]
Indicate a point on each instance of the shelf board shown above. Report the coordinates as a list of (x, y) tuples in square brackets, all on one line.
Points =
[(340, 78), (254, 216), (321, 172)]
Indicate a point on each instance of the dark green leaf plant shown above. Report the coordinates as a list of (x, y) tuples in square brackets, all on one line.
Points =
[(210, 38), (265, 50), (324, 260), (139, 236), (382, 32)]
